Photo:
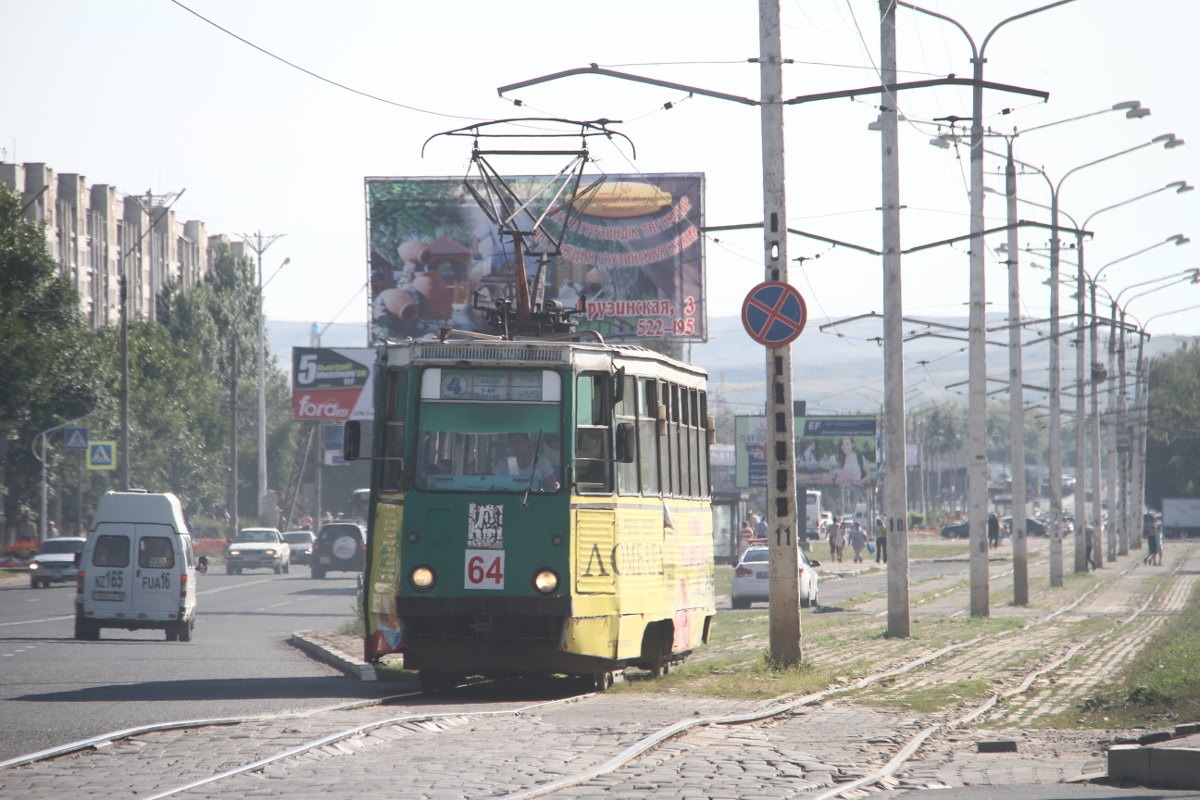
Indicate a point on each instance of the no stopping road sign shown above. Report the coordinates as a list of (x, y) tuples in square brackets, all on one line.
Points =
[(774, 313)]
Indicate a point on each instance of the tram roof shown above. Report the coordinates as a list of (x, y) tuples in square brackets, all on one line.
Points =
[(528, 352)]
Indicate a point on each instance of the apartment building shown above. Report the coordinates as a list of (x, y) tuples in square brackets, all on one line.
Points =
[(95, 233)]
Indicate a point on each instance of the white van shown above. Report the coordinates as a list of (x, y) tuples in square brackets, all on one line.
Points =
[(138, 569)]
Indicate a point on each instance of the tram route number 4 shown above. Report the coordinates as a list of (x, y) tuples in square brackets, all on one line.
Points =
[(485, 569)]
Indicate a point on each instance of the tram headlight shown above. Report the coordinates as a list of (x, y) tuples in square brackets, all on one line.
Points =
[(545, 581), (422, 578)]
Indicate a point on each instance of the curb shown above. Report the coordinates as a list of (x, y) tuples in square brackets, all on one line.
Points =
[(333, 657), (1157, 766)]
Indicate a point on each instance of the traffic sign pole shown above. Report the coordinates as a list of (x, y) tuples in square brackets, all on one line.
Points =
[(784, 616)]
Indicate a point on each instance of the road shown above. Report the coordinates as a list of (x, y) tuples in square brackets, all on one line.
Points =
[(57, 690)]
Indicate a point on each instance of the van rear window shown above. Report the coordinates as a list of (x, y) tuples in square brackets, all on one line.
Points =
[(111, 551), (155, 552)]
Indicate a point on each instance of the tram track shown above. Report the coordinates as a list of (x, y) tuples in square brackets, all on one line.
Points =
[(322, 748)]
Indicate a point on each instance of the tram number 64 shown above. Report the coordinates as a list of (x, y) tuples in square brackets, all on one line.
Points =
[(485, 569)]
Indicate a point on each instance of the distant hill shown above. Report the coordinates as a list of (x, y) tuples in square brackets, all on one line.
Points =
[(836, 370)]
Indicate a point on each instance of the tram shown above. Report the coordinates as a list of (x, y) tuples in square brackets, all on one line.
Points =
[(537, 507)]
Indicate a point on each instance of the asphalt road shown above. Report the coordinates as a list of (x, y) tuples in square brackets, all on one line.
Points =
[(55, 690)]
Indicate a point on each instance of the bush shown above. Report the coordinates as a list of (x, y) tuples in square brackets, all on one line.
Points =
[(916, 520), (938, 517), (24, 550)]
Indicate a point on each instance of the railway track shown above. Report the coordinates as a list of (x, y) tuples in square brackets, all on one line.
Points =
[(627, 744)]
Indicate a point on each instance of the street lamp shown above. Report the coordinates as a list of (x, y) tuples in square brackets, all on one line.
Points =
[(1168, 140), (263, 492), (977, 473), (1127, 484)]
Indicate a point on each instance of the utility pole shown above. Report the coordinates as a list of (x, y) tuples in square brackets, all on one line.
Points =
[(895, 484), (165, 201), (258, 242), (784, 616)]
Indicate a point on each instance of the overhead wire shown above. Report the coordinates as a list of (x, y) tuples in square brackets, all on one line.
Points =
[(312, 74)]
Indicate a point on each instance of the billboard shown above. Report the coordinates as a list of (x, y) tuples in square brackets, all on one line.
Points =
[(335, 384), (631, 259), (830, 451)]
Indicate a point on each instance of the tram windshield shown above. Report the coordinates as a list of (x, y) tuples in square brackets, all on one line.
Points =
[(473, 444), (497, 458)]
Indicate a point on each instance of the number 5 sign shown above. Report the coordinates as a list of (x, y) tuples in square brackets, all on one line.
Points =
[(485, 569)]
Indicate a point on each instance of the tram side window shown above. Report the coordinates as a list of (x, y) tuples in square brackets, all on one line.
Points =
[(673, 437), (392, 466), (702, 448), (593, 433), (627, 473), (648, 444)]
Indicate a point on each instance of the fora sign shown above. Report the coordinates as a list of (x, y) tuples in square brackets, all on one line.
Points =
[(325, 407), (335, 385)]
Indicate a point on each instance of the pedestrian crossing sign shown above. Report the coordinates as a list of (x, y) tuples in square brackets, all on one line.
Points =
[(101, 455), (76, 438)]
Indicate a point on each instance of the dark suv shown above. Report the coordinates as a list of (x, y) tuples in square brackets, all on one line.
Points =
[(340, 547)]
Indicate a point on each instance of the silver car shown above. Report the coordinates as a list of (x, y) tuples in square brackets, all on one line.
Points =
[(751, 579)]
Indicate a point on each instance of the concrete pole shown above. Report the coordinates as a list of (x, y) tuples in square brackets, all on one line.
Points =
[(1081, 521), (895, 484), (977, 468), (1016, 393), (784, 616), (1110, 423), (1055, 433), (1094, 426)]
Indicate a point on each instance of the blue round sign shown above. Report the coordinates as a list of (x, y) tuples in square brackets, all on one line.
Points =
[(774, 313)]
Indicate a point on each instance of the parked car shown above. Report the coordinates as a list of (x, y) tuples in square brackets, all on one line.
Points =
[(751, 579), (341, 547), (55, 561), (958, 530), (1033, 526), (302, 543), (255, 548)]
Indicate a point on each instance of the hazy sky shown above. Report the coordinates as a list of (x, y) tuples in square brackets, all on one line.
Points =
[(145, 95)]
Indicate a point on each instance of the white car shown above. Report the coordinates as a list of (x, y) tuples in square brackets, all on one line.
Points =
[(751, 579), (257, 547)]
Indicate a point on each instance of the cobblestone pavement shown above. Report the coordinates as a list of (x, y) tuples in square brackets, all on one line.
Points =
[(798, 754)]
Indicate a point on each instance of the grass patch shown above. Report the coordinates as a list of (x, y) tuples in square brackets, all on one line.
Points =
[(955, 548), (932, 698), (1161, 686)]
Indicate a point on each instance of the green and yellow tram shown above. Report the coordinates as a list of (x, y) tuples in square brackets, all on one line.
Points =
[(537, 507)]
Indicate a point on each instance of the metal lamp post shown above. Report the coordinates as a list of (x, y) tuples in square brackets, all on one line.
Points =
[(977, 423)]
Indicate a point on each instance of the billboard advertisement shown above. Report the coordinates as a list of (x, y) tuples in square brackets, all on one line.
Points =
[(830, 451), (630, 255), (335, 384)]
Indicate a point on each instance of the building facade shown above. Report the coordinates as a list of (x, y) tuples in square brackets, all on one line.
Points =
[(95, 234)]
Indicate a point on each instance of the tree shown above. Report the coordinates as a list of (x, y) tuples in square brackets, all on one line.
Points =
[(1173, 441), (47, 353)]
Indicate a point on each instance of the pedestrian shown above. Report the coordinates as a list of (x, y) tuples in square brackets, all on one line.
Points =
[(837, 541), (830, 531), (858, 540), (51, 531), (1151, 547), (1158, 545), (760, 527), (744, 537), (1089, 546), (880, 542), (993, 529)]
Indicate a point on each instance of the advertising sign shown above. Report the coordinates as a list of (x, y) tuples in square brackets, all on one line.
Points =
[(631, 259), (334, 384), (830, 451)]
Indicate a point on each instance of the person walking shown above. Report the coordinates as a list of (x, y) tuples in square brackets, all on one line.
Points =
[(837, 541), (993, 530), (1158, 545), (880, 542), (858, 540)]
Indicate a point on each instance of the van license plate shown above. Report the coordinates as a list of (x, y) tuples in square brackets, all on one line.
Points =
[(108, 595)]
